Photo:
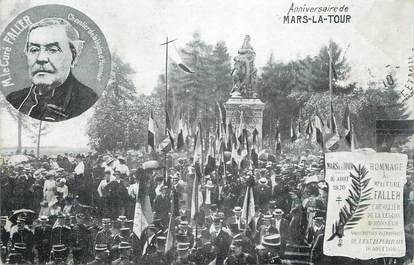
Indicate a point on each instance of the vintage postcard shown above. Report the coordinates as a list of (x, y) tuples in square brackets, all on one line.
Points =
[(207, 132)]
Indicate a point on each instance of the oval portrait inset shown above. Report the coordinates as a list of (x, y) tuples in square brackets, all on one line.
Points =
[(54, 62)]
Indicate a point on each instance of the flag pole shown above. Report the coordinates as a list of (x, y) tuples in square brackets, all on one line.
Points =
[(166, 102)]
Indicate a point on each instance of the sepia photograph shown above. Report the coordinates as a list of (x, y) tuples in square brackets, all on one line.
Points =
[(207, 132)]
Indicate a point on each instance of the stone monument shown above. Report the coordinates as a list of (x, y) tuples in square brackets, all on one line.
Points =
[(243, 97)]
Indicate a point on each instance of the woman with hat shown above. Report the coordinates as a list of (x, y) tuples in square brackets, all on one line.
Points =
[(49, 188), (62, 187)]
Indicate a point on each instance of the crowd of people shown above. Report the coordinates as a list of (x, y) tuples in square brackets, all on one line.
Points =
[(80, 209)]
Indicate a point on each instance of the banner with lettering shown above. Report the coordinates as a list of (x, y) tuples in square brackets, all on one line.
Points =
[(365, 204)]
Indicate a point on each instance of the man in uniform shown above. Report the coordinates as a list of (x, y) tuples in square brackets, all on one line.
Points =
[(266, 228), (5, 236), (183, 233), (272, 244), (158, 257), (81, 240), (237, 256), (25, 237), (101, 253), (124, 254), (42, 237), (122, 236), (105, 236), (220, 240), (149, 237), (61, 233), (182, 255), (59, 254)]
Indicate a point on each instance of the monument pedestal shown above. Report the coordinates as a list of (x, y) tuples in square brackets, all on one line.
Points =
[(252, 109)]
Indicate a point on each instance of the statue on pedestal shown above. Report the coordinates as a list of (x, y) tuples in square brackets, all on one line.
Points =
[(244, 72)]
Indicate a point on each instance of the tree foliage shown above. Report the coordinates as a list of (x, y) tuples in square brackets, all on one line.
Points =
[(120, 119), (195, 95), (299, 89)]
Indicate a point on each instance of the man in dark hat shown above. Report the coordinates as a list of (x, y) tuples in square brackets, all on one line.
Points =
[(122, 236), (262, 193), (61, 233), (158, 257), (220, 239), (81, 240), (117, 196), (101, 255), (42, 238), (282, 226), (236, 254), (162, 206), (271, 243), (235, 223), (124, 249), (182, 255), (317, 227), (208, 219), (149, 239), (23, 236), (59, 254), (105, 236), (183, 233)]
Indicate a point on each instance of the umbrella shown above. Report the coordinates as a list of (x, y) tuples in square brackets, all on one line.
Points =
[(152, 164), (17, 159), (29, 215)]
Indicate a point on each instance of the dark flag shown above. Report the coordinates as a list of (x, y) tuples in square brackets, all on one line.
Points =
[(332, 138), (346, 122), (198, 146), (211, 159), (176, 58), (293, 136), (241, 133), (278, 143), (171, 225), (229, 136), (180, 136), (255, 138), (196, 196), (169, 130), (151, 132), (332, 121), (309, 129), (319, 127), (335, 75)]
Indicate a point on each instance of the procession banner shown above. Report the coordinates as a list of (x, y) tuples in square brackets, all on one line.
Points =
[(365, 205)]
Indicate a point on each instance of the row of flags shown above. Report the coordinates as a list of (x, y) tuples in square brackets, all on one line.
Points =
[(239, 141), (325, 134)]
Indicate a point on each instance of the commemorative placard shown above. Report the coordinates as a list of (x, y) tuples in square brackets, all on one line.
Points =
[(365, 217)]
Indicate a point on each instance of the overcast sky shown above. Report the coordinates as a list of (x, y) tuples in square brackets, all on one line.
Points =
[(380, 33)]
